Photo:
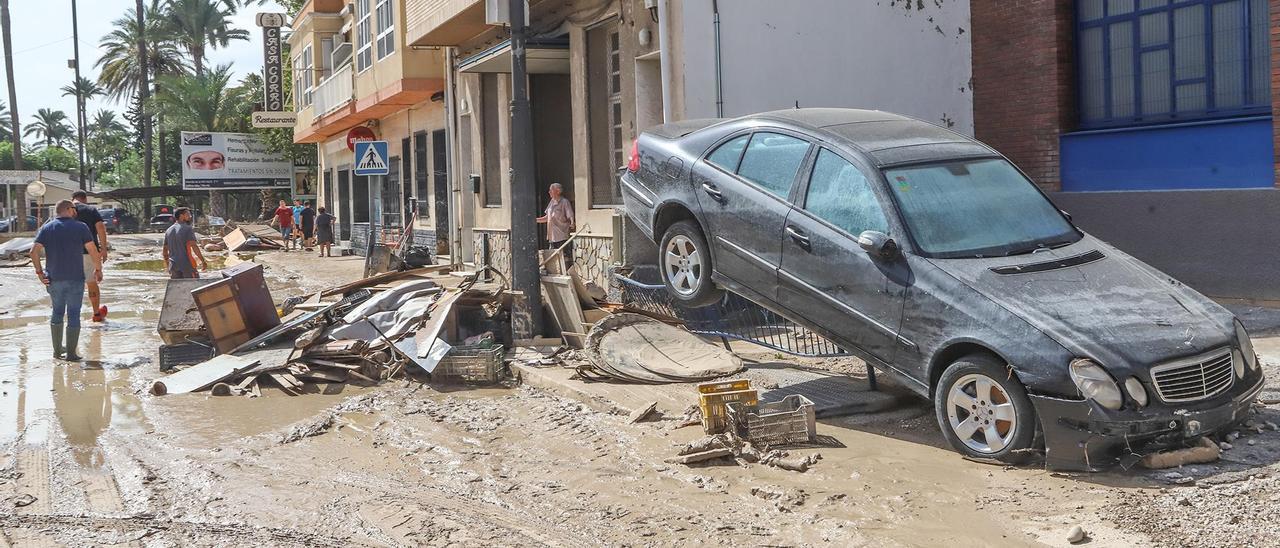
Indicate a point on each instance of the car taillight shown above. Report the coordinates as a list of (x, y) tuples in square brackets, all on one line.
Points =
[(633, 163)]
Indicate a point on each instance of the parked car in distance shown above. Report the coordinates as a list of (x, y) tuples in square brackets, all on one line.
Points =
[(118, 220), (11, 222), (930, 256), (161, 222)]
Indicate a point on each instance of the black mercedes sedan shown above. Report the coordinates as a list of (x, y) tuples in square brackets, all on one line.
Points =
[(932, 257)]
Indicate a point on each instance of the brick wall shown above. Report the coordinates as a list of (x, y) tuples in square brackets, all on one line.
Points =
[(1023, 81), (1275, 87)]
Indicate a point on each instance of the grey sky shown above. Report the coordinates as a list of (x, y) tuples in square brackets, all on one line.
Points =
[(42, 45)]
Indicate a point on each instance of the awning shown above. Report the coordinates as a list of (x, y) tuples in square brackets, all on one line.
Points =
[(541, 57)]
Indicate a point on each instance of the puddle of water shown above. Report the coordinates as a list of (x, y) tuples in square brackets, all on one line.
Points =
[(216, 262)]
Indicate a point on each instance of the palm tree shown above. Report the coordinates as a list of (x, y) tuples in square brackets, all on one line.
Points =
[(204, 102), (83, 88), (50, 126), (201, 24), (14, 128), (107, 141), (4, 113), (121, 73), (104, 121)]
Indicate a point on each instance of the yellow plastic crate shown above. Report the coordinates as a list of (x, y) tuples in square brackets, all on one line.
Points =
[(713, 397)]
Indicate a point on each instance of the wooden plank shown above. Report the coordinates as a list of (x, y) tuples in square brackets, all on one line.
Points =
[(563, 300), (235, 239), (385, 277), (440, 313), (202, 375), (331, 376), (285, 385), (331, 364), (580, 289), (552, 260), (594, 315)]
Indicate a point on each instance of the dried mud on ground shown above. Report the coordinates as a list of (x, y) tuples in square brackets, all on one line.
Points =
[(92, 459)]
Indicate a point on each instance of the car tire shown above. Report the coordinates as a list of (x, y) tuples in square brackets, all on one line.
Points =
[(685, 262), (983, 410)]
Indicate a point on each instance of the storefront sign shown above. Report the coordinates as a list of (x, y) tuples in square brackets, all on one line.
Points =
[(232, 161), (359, 133), (272, 75), (274, 119)]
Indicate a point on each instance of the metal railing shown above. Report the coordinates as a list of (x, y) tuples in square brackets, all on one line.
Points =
[(734, 317), (334, 92)]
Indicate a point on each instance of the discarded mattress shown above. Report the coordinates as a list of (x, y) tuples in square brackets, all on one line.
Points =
[(16, 247), (640, 349)]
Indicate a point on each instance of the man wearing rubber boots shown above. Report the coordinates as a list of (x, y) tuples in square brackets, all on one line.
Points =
[(89, 215), (66, 239)]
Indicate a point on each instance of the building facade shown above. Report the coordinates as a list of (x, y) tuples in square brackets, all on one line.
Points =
[(1150, 121)]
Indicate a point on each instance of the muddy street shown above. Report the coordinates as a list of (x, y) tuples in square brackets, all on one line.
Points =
[(92, 458)]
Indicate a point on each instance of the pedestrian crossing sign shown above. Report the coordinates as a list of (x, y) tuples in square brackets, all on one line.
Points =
[(371, 158)]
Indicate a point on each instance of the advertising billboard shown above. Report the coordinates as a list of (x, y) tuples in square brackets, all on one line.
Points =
[(212, 161)]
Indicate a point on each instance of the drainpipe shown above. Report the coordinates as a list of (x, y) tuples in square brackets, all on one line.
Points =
[(664, 57), (715, 10), (451, 159)]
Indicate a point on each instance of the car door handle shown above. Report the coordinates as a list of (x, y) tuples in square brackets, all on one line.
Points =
[(713, 191), (799, 237)]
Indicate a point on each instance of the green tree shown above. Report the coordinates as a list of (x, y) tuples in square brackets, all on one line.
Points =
[(83, 88), (5, 133), (204, 102), (51, 158), (49, 126), (121, 73), (202, 24), (107, 141)]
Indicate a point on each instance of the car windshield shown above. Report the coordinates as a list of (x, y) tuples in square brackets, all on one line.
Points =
[(977, 208)]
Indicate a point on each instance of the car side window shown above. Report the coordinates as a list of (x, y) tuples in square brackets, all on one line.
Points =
[(727, 155), (772, 160), (841, 195)]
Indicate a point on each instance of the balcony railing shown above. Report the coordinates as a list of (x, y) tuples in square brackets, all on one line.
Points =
[(334, 92)]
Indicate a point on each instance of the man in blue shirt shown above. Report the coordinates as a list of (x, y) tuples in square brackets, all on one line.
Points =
[(65, 239)]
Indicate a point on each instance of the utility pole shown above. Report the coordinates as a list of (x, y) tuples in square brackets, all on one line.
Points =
[(75, 40), (144, 94), (524, 200), (15, 130)]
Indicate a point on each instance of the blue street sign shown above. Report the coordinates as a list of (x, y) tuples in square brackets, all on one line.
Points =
[(371, 158)]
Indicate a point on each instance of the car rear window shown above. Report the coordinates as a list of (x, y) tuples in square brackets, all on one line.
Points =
[(772, 160)]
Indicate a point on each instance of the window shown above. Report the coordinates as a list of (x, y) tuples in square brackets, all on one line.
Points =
[(604, 89), (976, 208), (386, 28), (308, 77), (728, 154), (326, 58), (364, 36), (298, 88), (771, 161), (1147, 61), (841, 195)]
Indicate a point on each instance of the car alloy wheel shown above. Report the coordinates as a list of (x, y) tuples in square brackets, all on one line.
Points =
[(682, 262), (981, 413)]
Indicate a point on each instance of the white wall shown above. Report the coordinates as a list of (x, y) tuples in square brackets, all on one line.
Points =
[(908, 57)]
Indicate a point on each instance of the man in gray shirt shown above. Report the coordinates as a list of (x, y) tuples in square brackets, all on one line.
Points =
[(181, 247)]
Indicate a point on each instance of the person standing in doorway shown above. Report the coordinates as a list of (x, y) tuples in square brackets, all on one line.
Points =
[(560, 222), (67, 240), (89, 215), (324, 232), (284, 221), (308, 217), (181, 248)]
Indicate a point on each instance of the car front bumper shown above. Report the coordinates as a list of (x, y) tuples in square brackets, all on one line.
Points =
[(1082, 436)]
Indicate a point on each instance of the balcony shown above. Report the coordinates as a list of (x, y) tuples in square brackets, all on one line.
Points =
[(334, 92), (443, 22)]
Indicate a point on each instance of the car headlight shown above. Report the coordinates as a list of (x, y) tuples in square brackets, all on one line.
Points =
[(1237, 363), (1246, 346), (1094, 383), (1136, 391)]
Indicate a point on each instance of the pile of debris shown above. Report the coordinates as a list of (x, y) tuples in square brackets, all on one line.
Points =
[(729, 446), (367, 331)]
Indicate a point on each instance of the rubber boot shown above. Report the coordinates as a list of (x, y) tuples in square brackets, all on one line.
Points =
[(73, 337), (55, 329)]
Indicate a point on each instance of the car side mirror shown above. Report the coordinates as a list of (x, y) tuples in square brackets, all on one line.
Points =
[(878, 244)]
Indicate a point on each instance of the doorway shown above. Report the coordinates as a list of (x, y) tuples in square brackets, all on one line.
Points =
[(440, 185), (344, 203), (550, 101)]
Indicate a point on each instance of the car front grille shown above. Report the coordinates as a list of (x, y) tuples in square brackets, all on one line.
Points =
[(1194, 378)]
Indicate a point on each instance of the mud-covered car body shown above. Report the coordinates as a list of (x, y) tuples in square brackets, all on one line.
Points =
[(917, 311)]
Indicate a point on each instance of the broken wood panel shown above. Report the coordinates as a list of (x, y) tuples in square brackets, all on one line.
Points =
[(385, 277), (202, 375)]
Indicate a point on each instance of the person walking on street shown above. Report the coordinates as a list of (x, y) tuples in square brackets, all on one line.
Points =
[(297, 223), (89, 215), (308, 217), (284, 221), (324, 232), (560, 222), (67, 240), (181, 248)]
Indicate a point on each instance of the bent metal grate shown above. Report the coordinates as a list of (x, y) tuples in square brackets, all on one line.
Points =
[(1195, 378)]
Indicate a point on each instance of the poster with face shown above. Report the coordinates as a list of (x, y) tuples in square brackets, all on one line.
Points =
[(304, 184), (232, 161)]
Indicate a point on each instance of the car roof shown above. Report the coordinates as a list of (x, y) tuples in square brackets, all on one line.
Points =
[(884, 138)]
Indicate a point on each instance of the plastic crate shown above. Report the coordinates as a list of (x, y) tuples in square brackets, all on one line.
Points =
[(713, 396), (471, 364), (778, 423)]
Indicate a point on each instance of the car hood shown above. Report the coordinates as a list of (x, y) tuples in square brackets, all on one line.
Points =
[(1114, 309)]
